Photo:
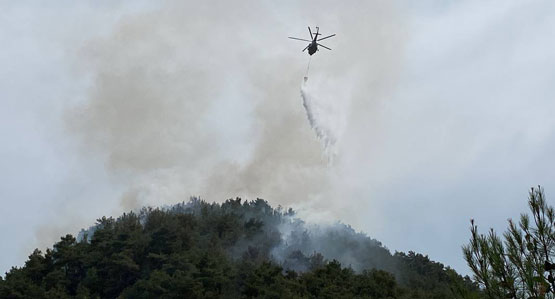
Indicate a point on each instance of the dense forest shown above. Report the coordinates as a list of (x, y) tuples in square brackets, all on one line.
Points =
[(237, 249)]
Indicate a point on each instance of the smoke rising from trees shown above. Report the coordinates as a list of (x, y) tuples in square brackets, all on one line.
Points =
[(163, 83), (468, 121)]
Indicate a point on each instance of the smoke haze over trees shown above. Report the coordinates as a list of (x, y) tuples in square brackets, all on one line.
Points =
[(233, 250), (443, 110)]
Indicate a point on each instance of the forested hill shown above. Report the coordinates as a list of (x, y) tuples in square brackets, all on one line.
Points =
[(231, 250)]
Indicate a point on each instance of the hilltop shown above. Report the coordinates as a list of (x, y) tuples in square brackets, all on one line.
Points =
[(237, 249)]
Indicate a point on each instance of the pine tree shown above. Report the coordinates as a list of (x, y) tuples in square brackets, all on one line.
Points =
[(521, 264)]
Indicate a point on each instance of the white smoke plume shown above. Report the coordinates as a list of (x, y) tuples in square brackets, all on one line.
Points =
[(188, 100), (179, 98)]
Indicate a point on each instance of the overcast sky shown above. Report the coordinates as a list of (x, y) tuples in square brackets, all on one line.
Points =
[(443, 110)]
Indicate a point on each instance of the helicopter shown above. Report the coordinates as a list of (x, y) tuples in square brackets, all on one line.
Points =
[(313, 46)]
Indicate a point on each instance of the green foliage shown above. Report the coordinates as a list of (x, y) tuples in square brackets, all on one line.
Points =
[(521, 264), (202, 250)]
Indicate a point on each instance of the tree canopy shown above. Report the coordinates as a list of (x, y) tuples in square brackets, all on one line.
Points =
[(231, 250)]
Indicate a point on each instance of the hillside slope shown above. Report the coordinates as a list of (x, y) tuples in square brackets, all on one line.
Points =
[(231, 250)]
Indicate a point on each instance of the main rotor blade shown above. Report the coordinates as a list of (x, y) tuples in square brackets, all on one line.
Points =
[(326, 37), (306, 48), (324, 47), (304, 40), (310, 31)]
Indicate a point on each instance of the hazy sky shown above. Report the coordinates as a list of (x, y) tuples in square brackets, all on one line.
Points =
[(444, 112)]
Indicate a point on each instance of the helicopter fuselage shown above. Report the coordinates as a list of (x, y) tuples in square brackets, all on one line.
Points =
[(314, 39), (312, 48)]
